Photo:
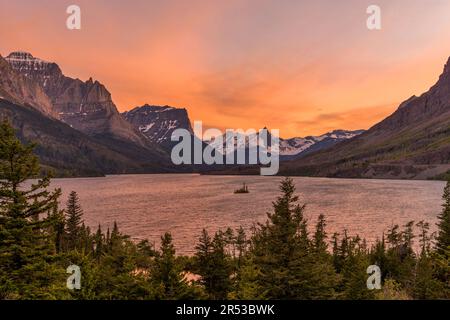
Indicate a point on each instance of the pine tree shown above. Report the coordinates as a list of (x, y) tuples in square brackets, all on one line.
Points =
[(441, 255), (426, 286), (400, 258), (279, 244), (220, 261), (99, 242), (241, 245), (213, 265), (320, 280), (116, 239), (354, 271), (424, 238), (58, 228), (291, 265), (74, 221), (443, 237), (167, 273), (320, 245), (378, 256), (86, 240), (25, 242), (246, 285), (337, 256)]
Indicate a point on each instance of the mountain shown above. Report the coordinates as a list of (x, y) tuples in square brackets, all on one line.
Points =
[(85, 106), (32, 89), (412, 143), (17, 87), (298, 147), (70, 152), (157, 123)]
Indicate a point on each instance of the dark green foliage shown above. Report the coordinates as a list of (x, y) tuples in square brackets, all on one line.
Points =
[(213, 264), (354, 270), (278, 260), (167, 273), (443, 237), (68, 152), (74, 222), (290, 264), (26, 246)]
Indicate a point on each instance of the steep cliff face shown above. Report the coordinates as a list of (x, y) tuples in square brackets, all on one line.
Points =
[(17, 87), (413, 142), (70, 152), (157, 123), (75, 124), (85, 106)]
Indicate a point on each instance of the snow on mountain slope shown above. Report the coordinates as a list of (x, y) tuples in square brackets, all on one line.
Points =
[(157, 123), (296, 147), (85, 106)]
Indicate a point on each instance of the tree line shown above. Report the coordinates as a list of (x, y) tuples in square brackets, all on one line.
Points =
[(279, 259)]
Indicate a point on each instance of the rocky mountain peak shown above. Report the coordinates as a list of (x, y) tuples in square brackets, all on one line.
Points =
[(26, 63), (418, 109), (445, 76), (20, 89), (21, 55), (158, 122), (447, 66), (85, 106)]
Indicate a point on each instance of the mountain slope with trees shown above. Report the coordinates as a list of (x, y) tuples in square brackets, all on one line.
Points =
[(69, 152), (75, 123), (411, 143)]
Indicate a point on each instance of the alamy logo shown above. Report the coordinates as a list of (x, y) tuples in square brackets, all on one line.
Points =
[(374, 20), (240, 147), (374, 280), (73, 22), (74, 280)]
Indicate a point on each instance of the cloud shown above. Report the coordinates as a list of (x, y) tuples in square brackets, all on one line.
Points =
[(354, 119), (302, 67)]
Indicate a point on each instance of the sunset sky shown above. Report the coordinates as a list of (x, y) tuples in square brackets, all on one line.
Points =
[(304, 67)]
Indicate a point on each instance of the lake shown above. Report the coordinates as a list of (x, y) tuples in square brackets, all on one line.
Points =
[(146, 206)]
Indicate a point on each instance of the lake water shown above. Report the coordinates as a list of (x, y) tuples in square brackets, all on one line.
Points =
[(146, 206)]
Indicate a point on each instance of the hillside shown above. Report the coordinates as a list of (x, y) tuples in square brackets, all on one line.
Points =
[(69, 152), (413, 143)]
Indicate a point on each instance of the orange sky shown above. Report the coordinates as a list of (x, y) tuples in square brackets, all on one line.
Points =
[(304, 67)]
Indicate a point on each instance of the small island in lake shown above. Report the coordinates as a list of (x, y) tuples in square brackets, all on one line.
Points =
[(244, 189)]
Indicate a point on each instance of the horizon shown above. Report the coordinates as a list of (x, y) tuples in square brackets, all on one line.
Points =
[(293, 68)]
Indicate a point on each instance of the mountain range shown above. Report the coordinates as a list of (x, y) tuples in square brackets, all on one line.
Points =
[(79, 131), (71, 120), (158, 122), (292, 148), (411, 143)]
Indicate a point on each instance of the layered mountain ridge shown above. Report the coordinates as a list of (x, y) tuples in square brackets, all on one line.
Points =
[(30, 83), (411, 143), (157, 123), (85, 106), (296, 147), (18, 88), (80, 131)]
